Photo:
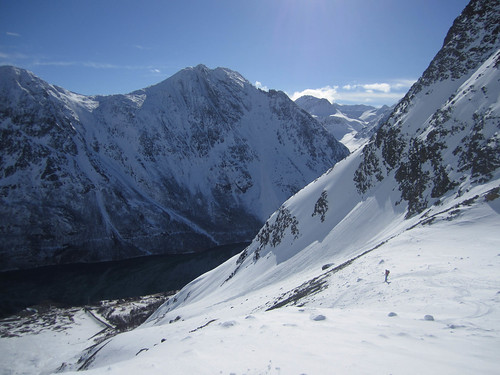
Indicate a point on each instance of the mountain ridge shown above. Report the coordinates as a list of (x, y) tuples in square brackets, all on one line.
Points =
[(194, 161), (433, 107)]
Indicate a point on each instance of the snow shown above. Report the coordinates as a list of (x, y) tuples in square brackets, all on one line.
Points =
[(313, 299), (446, 268), (441, 270), (352, 142), (199, 159), (39, 349), (352, 125)]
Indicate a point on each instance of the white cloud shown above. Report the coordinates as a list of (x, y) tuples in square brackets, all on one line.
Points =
[(384, 87), (369, 96), (87, 64), (96, 65), (155, 70), (375, 94), (12, 56), (403, 84), (55, 63), (10, 33), (328, 92), (259, 85)]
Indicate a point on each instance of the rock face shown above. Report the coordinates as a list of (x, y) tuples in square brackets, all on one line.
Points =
[(200, 159), (445, 131)]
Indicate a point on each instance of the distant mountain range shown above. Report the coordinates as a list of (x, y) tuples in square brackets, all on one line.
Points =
[(200, 159), (352, 125)]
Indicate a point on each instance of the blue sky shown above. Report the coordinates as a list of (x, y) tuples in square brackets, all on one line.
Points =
[(348, 51)]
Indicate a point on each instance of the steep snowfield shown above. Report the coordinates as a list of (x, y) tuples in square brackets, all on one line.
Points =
[(444, 264), (343, 319), (421, 199)]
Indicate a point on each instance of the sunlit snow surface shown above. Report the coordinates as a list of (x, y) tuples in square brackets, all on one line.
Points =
[(444, 264), (41, 346), (448, 269)]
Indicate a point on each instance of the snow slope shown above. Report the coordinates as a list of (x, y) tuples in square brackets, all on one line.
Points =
[(200, 159), (42, 343), (440, 313), (347, 328), (308, 295)]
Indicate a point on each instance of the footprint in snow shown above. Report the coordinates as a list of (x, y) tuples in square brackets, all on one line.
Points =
[(317, 317), (228, 324)]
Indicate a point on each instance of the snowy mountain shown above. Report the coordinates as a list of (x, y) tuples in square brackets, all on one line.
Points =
[(353, 125), (200, 159), (421, 199)]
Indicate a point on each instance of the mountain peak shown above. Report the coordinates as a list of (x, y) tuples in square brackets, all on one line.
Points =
[(214, 75), (310, 98), (472, 38), (10, 74), (317, 106), (197, 160), (421, 199)]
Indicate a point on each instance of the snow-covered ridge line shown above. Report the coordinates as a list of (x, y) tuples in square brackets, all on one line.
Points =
[(317, 284), (444, 129)]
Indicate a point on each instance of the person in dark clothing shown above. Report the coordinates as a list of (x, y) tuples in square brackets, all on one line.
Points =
[(386, 274)]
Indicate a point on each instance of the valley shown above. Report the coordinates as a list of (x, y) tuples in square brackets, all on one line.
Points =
[(83, 284)]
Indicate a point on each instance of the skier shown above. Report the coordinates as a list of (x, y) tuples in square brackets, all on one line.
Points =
[(386, 274)]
